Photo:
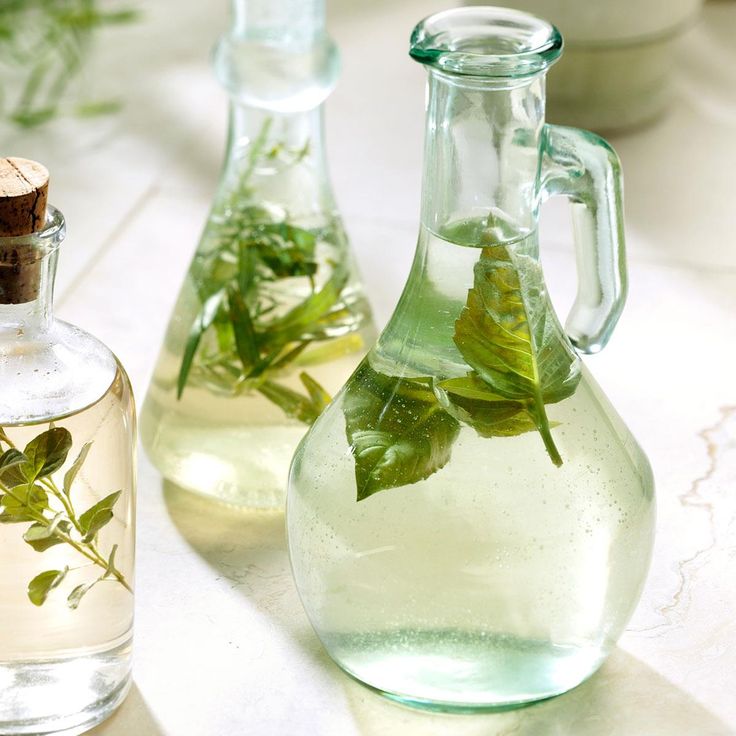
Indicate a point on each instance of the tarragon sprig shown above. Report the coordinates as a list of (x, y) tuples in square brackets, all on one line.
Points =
[(48, 41), (29, 492), (244, 337)]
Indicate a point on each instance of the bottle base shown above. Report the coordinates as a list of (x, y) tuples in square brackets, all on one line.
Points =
[(463, 672), (246, 467), (63, 697)]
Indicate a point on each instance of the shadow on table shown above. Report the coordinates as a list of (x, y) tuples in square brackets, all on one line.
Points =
[(625, 698), (248, 549), (133, 718)]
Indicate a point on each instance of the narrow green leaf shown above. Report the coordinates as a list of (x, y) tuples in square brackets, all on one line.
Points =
[(72, 473), (47, 452), (245, 334), (292, 403), (397, 430), (202, 322), (111, 561), (97, 516), (40, 587), (320, 398), (98, 108), (304, 314)]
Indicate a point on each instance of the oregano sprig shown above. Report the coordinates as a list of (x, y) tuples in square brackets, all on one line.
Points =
[(29, 492)]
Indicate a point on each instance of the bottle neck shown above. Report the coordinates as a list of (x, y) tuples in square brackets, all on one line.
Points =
[(482, 151), (30, 310), (278, 160), (282, 21)]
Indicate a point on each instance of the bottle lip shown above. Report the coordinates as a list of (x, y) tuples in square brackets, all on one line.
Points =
[(37, 245), (486, 41)]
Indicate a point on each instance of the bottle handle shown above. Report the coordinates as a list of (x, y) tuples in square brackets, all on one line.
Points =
[(584, 168)]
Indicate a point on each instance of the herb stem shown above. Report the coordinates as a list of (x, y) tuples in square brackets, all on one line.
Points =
[(92, 554)]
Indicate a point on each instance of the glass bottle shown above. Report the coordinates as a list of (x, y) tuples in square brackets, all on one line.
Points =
[(470, 522), (67, 493), (271, 317)]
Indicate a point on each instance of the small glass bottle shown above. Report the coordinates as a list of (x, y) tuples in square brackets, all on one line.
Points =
[(470, 522), (271, 318), (67, 488)]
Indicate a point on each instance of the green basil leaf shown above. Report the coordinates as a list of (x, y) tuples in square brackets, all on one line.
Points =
[(397, 430), (509, 335)]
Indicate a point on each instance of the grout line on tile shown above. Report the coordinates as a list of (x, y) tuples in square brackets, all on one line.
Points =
[(108, 243)]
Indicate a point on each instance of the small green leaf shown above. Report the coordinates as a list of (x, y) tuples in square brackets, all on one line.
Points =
[(24, 503), (72, 473), (201, 324), (41, 536), (40, 587), (47, 452), (397, 430), (75, 597), (12, 468), (97, 516)]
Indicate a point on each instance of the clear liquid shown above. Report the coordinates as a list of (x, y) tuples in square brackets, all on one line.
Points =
[(237, 449), (63, 670), (498, 580)]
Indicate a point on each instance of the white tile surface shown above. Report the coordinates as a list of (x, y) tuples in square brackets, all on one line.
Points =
[(222, 644)]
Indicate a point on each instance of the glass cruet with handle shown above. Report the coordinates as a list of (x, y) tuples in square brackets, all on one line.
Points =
[(470, 522), (272, 317)]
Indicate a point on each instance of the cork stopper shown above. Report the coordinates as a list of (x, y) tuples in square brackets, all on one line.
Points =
[(23, 195)]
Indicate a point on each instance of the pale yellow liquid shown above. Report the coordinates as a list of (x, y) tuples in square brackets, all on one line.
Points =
[(60, 668), (237, 449)]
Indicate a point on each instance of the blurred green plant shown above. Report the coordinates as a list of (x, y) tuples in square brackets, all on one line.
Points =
[(43, 45)]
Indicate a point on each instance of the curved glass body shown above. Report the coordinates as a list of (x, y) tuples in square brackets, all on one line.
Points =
[(470, 522), (67, 515), (271, 319)]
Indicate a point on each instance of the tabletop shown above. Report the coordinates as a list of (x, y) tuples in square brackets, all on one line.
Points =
[(222, 645)]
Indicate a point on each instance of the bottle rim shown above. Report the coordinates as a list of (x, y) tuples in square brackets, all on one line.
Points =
[(486, 41), (41, 243)]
